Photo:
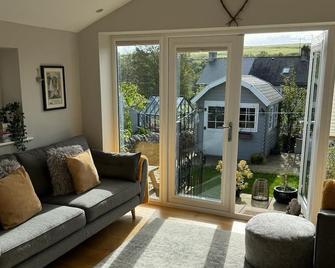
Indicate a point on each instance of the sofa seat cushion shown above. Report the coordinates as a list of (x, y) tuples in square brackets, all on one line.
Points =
[(51, 225), (109, 194)]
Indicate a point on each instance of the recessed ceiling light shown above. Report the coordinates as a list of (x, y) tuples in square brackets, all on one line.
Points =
[(99, 10)]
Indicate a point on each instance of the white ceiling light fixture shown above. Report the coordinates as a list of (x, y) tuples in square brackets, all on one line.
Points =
[(66, 15)]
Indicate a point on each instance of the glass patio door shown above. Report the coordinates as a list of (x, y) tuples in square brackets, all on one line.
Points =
[(202, 135), (139, 102), (310, 123)]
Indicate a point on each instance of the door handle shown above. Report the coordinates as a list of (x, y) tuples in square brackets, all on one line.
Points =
[(230, 130)]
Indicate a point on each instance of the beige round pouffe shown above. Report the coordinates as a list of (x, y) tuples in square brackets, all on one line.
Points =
[(279, 240)]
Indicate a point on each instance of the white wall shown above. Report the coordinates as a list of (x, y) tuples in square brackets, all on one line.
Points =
[(10, 85), (37, 46), (140, 15)]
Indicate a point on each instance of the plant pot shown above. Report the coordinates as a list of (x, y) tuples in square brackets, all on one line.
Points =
[(284, 196), (238, 194)]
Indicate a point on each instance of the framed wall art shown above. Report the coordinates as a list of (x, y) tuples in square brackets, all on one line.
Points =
[(53, 87)]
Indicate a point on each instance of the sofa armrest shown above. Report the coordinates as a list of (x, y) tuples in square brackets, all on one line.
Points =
[(143, 182), (117, 165), (325, 239)]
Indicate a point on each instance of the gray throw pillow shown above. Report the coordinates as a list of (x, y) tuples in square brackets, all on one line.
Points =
[(7, 166), (119, 166), (60, 177)]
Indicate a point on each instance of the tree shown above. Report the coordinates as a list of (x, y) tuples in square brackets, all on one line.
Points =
[(191, 67), (292, 110), (131, 99), (141, 67)]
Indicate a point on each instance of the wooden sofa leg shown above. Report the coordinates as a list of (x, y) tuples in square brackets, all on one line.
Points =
[(133, 215)]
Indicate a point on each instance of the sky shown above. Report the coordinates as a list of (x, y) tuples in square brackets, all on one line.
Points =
[(279, 38), (261, 39)]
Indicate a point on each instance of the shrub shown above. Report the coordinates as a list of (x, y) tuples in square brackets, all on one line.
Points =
[(243, 173), (257, 159)]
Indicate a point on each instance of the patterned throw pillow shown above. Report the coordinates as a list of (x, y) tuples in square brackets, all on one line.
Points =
[(7, 166), (60, 177)]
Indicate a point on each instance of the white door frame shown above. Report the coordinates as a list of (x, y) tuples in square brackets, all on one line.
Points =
[(319, 152), (234, 47), (308, 143), (164, 35), (143, 40)]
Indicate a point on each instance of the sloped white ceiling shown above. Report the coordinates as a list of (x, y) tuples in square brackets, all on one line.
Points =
[(67, 15)]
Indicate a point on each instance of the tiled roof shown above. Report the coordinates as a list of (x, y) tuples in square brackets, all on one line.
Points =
[(263, 90)]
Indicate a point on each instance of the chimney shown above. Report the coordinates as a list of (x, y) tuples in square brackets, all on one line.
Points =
[(304, 52), (212, 56)]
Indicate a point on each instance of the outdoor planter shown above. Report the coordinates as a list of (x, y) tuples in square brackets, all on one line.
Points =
[(238, 194), (245, 135), (284, 195)]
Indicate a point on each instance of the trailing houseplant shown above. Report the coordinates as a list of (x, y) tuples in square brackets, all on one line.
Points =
[(12, 114)]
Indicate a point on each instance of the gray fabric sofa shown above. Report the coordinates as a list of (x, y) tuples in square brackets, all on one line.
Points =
[(66, 221), (324, 252)]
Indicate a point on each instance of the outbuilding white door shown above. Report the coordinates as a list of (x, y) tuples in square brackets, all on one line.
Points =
[(213, 128)]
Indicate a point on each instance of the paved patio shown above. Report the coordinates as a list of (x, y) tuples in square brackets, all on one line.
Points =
[(275, 164), (247, 206), (283, 163)]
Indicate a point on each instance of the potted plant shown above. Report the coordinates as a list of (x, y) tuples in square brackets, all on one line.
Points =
[(12, 118), (243, 173), (284, 193)]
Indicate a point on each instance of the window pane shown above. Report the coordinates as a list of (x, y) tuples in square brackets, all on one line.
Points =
[(220, 117), (199, 149), (139, 105), (250, 125), (219, 124), (211, 124), (211, 117)]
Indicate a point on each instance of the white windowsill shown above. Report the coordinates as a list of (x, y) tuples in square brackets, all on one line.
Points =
[(7, 143)]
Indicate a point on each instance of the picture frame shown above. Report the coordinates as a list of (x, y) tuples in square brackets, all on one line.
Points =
[(53, 87)]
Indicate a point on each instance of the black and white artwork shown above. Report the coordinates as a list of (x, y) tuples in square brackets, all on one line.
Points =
[(53, 86)]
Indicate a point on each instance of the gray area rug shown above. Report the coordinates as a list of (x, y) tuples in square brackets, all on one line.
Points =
[(179, 243)]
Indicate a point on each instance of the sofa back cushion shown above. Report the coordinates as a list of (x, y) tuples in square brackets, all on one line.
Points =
[(35, 163), (118, 166)]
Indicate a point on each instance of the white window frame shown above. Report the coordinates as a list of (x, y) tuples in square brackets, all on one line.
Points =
[(215, 121), (207, 104), (256, 107), (110, 133)]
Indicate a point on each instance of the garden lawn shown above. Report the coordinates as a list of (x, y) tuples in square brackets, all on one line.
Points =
[(273, 181), (209, 173)]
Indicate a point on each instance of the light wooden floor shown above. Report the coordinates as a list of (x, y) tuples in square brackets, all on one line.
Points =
[(106, 241)]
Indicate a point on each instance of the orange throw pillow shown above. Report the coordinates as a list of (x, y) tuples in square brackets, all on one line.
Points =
[(18, 200), (83, 171), (328, 197)]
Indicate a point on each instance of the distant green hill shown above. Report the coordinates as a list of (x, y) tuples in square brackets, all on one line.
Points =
[(256, 51), (272, 50)]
